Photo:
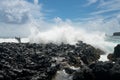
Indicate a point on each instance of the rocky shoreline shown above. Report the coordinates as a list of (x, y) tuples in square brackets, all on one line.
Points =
[(25, 61), (116, 34)]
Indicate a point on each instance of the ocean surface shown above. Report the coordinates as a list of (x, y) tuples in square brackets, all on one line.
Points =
[(114, 39)]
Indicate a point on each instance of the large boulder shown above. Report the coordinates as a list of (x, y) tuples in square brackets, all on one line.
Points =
[(117, 51), (89, 55), (85, 73), (116, 54)]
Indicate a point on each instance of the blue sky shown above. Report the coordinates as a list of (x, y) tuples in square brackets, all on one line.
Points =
[(79, 9), (75, 10), (65, 8)]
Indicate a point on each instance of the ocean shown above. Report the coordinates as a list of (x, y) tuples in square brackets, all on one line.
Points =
[(113, 39)]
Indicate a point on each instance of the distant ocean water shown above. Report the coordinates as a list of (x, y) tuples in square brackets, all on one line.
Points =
[(114, 39)]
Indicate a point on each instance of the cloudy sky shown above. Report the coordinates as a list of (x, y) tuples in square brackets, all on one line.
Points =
[(17, 16), (81, 9)]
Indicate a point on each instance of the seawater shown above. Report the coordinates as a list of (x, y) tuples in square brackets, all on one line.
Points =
[(115, 40)]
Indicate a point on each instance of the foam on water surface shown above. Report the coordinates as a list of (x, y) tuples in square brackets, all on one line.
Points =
[(23, 40)]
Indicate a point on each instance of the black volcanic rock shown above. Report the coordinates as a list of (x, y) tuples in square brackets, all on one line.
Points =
[(116, 54), (85, 73), (90, 54), (117, 51), (25, 61), (116, 34), (99, 71), (69, 70)]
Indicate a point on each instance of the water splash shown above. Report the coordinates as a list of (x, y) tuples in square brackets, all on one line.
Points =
[(62, 75), (70, 34)]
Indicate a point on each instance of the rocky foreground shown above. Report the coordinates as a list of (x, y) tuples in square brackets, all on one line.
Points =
[(25, 61)]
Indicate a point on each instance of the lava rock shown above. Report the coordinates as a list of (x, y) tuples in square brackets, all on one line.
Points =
[(31, 61), (69, 70), (117, 51), (115, 55), (85, 73), (116, 34), (101, 70)]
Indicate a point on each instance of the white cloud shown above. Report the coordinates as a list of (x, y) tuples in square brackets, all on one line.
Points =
[(90, 2), (17, 11), (17, 16), (36, 2), (104, 11), (107, 6)]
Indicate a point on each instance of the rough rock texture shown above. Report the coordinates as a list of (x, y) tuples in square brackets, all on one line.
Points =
[(25, 61), (99, 71), (109, 70), (116, 54)]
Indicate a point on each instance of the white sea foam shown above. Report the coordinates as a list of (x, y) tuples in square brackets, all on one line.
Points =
[(70, 34), (9, 40)]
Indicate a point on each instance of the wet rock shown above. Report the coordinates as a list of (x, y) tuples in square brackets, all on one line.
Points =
[(84, 73), (1, 77), (115, 72), (89, 55), (52, 71), (101, 69), (116, 34), (117, 51), (74, 61), (69, 70), (116, 54)]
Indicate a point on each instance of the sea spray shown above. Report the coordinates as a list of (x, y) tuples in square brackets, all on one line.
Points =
[(10, 40), (70, 34), (62, 75)]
